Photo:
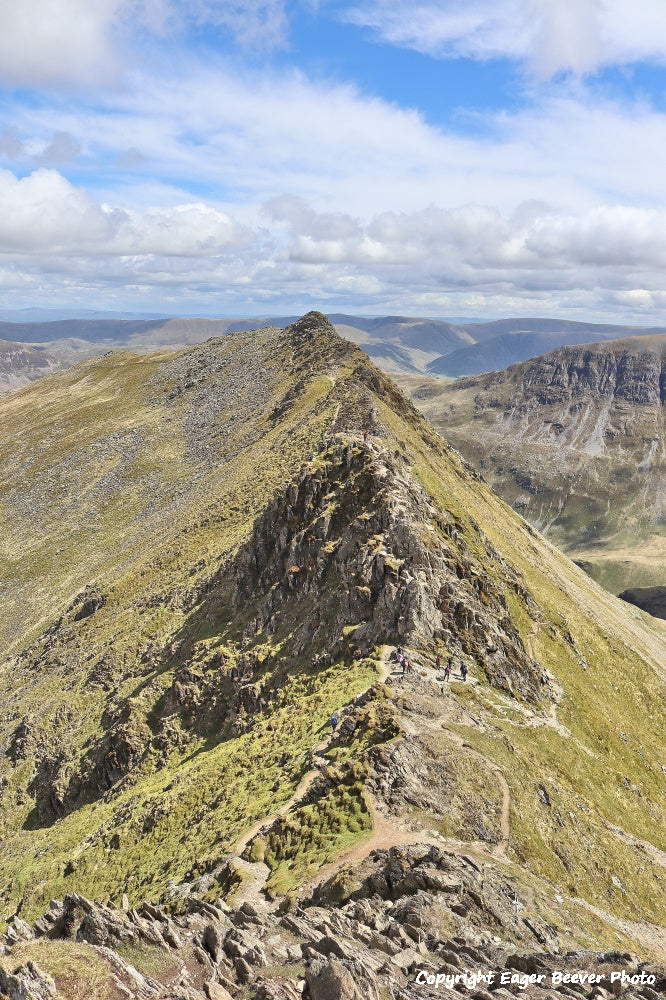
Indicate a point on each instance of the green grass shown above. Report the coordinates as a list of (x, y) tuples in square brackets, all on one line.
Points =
[(310, 835)]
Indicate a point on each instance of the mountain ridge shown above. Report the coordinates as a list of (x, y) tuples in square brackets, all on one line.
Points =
[(294, 521)]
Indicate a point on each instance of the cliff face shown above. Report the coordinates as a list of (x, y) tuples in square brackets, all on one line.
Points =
[(635, 372), (241, 535), (20, 365), (575, 441)]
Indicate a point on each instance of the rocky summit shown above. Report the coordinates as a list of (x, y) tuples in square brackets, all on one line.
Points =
[(235, 763)]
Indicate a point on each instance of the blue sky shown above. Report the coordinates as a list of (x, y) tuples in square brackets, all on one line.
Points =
[(491, 158)]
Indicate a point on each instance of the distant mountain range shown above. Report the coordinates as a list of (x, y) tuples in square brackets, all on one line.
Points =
[(395, 343), (575, 441), (507, 341)]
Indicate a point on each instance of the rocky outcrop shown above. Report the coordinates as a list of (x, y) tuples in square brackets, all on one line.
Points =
[(414, 912), (353, 554), (28, 982), (362, 542)]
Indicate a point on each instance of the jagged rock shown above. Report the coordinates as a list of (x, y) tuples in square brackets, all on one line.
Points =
[(29, 982), (289, 989), (331, 980), (20, 741), (171, 937), (243, 971), (213, 940)]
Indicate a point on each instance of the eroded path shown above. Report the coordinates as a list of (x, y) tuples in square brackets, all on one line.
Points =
[(255, 873)]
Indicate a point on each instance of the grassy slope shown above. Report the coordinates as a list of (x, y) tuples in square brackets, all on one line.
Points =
[(609, 770), (204, 797), (192, 804)]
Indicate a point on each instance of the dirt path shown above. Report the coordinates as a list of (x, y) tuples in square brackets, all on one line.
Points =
[(256, 874), (267, 821), (385, 834), (655, 852)]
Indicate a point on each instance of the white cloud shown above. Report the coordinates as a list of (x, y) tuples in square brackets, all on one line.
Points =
[(551, 36), (252, 22), (43, 214), (608, 258), (280, 192), (61, 40), (11, 145), (91, 42)]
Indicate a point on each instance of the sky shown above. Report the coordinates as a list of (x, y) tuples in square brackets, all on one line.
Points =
[(483, 158)]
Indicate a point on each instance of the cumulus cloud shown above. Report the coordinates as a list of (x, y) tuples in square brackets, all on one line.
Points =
[(282, 192), (568, 35), (61, 40), (464, 258), (44, 214)]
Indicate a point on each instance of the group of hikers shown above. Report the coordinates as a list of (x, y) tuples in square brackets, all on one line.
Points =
[(406, 665), (407, 668)]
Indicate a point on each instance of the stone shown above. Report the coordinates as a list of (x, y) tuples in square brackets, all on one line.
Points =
[(29, 982), (331, 980), (243, 971), (214, 991), (212, 941)]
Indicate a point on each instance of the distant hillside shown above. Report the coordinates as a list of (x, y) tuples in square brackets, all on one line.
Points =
[(575, 441), (20, 365), (399, 344), (506, 342)]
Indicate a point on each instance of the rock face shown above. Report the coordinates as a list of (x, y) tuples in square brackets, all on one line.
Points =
[(400, 570), (21, 364), (574, 440), (28, 983)]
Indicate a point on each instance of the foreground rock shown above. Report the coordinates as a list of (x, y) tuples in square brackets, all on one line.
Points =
[(414, 913)]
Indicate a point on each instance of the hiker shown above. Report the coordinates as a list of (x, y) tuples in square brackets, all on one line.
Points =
[(409, 666), (404, 664), (438, 661), (447, 671), (463, 671), (334, 723), (365, 435), (401, 660)]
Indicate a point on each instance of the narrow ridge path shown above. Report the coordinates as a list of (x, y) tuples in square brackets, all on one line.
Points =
[(257, 874)]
